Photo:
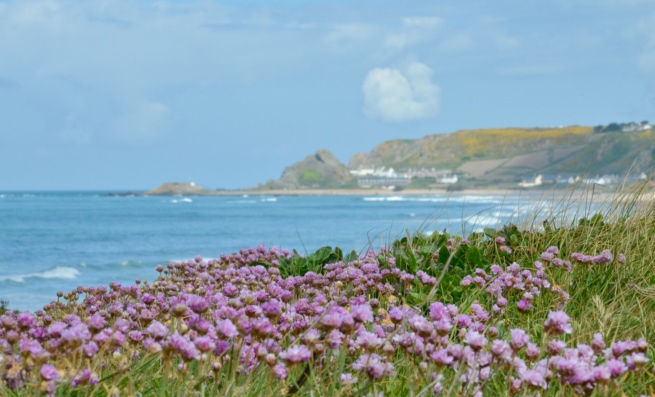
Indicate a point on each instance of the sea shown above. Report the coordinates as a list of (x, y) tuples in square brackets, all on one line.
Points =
[(57, 241)]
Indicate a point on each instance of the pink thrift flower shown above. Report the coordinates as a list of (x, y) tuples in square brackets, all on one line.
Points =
[(348, 379), (90, 349), (198, 304), (558, 323), (519, 339), (532, 352), (227, 329), (534, 379), (86, 377), (157, 330), (601, 374), (48, 372), (555, 347), (374, 366), (204, 343), (296, 354), (280, 371), (475, 340), (552, 250), (616, 367), (500, 348), (396, 314), (602, 258), (438, 311), (546, 256), (524, 305), (441, 356), (598, 344), (362, 313)]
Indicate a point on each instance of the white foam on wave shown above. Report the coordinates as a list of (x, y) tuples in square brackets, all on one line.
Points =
[(483, 220), (503, 214), (480, 199), (57, 273), (431, 199), (182, 200), (389, 198), (472, 199), (269, 199), (130, 263)]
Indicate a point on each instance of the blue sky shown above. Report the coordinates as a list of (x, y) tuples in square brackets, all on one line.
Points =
[(117, 94)]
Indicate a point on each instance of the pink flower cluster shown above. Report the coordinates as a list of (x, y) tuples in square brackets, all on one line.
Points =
[(239, 309), (515, 281), (604, 257)]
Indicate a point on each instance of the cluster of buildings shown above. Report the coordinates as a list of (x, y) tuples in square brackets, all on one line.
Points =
[(388, 178), (605, 180)]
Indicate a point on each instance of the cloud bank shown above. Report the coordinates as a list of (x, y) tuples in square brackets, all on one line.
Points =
[(399, 96)]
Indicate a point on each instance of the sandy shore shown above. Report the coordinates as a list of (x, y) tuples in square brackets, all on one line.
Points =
[(531, 194), (549, 194), (365, 192)]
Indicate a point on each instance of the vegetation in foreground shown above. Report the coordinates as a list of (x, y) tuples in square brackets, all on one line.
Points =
[(565, 308)]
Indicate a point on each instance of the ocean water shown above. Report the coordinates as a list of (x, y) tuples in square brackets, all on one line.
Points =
[(53, 242)]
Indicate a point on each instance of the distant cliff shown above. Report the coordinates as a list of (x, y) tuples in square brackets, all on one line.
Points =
[(321, 170), (491, 157), (502, 155)]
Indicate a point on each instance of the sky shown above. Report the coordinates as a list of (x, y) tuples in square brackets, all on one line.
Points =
[(128, 94)]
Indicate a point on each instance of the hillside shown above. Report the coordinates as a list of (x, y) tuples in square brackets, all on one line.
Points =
[(493, 157), (321, 170)]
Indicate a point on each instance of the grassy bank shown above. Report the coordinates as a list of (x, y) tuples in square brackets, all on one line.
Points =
[(563, 304)]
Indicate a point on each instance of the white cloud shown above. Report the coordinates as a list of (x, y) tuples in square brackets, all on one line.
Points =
[(394, 96), (414, 30), (122, 60)]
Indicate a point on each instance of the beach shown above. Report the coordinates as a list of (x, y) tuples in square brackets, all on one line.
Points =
[(580, 194)]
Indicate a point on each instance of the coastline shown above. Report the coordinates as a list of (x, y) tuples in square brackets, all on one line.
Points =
[(586, 193), (364, 192), (551, 194)]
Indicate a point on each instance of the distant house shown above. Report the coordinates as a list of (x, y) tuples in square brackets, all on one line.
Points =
[(428, 173), (447, 179), (537, 181), (362, 171), (381, 177), (377, 172)]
